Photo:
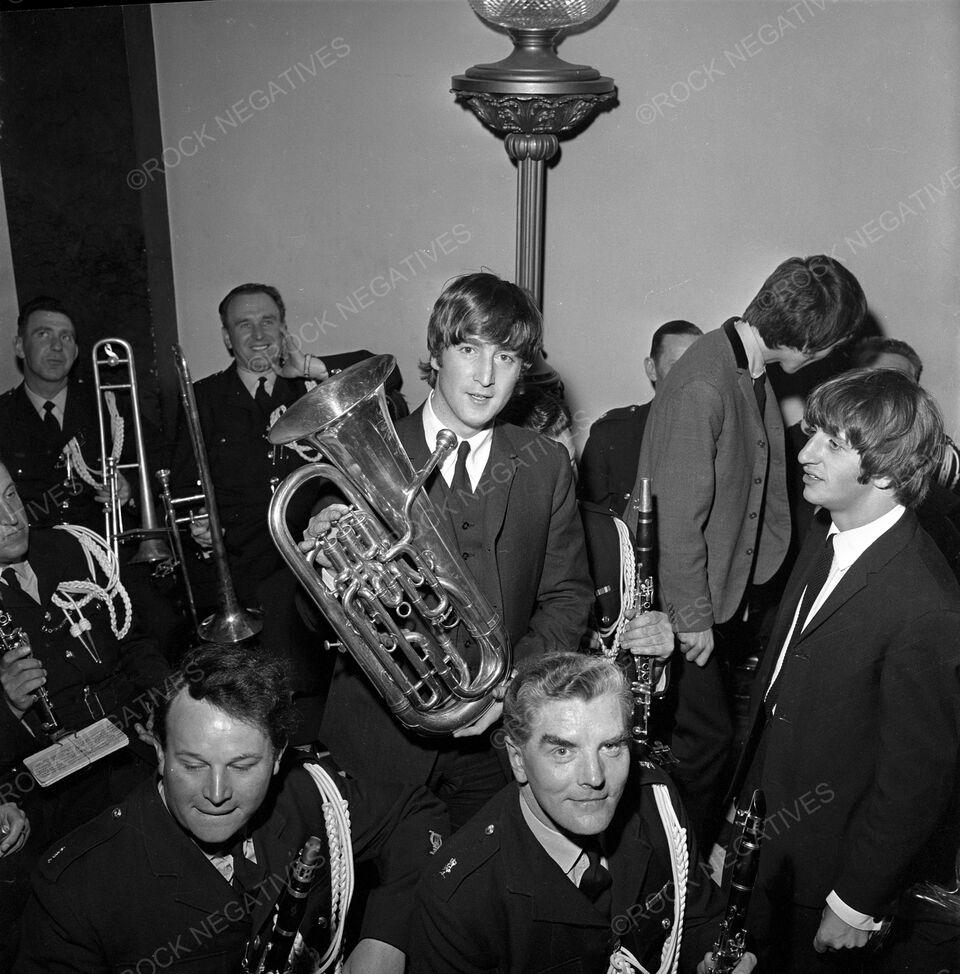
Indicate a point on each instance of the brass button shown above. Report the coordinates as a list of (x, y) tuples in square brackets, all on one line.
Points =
[(749, 551), (758, 480), (753, 514)]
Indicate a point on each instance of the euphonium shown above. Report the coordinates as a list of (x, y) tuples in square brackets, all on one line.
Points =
[(398, 588)]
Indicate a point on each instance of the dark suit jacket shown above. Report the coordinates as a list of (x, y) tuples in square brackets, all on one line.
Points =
[(132, 885), (494, 901), (542, 590), (719, 483), (608, 466), (861, 754), (128, 669), (34, 460)]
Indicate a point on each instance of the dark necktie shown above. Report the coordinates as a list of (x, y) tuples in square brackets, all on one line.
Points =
[(262, 398), (816, 577), (596, 881), (460, 479), (50, 423), (246, 874), (760, 391)]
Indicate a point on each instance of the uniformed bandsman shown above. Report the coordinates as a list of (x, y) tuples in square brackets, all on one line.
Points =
[(575, 866), (184, 873)]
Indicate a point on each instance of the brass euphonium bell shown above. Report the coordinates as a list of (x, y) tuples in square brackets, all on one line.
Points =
[(400, 589)]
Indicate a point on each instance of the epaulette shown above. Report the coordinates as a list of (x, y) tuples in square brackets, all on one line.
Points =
[(80, 841), (649, 773), (461, 856)]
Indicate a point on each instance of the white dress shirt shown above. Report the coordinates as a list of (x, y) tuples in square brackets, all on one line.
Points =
[(479, 447), (59, 403)]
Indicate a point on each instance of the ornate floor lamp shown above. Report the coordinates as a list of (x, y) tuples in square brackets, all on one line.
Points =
[(533, 97)]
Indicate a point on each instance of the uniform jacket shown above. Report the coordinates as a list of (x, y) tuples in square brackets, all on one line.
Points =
[(242, 464), (493, 900), (719, 484), (131, 886), (863, 748), (128, 669), (35, 463), (542, 589), (608, 467)]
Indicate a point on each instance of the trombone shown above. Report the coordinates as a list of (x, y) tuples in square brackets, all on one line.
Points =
[(112, 354), (231, 623)]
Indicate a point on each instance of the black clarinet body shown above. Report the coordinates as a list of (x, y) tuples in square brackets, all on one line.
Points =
[(14, 637), (731, 941), (641, 669), (274, 955)]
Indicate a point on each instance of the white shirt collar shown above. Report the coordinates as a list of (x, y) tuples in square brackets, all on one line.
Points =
[(557, 846), (751, 346), (252, 379), (59, 402), (849, 545), (479, 446)]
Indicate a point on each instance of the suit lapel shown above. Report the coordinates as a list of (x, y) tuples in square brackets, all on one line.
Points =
[(886, 547), (497, 482)]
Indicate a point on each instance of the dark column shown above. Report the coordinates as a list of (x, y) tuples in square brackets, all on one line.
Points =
[(79, 113)]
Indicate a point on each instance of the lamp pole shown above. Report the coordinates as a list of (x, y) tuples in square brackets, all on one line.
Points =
[(533, 98)]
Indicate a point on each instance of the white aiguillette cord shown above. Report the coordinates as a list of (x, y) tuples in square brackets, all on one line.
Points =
[(622, 961), (72, 596)]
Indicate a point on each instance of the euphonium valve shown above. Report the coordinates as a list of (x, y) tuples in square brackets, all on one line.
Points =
[(400, 598)]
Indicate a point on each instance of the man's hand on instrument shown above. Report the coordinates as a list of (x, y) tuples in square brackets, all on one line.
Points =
[(200, 529), (491, 716), (124, 492), (837, 934), (375, 957), (21, 674), (746, 964), (14, 829), (648, 634), (696, 646), (320, 524)]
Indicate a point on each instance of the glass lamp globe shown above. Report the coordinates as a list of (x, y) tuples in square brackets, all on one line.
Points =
[(534, 26)]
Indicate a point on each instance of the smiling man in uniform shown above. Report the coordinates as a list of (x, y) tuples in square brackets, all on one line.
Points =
[(571, 864)]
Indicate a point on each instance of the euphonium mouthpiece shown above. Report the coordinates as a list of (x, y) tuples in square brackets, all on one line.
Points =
[(446, 443)]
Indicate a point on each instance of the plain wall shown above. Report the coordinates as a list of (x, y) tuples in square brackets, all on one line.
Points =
[(746, 132)]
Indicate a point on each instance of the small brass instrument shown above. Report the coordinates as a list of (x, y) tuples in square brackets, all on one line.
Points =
[(231, 623), (109, 356), (13, 637), (731, 940), (398, 590)]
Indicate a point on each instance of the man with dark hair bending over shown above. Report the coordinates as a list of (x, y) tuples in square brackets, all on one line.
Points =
[(714, 448), (186, 870)]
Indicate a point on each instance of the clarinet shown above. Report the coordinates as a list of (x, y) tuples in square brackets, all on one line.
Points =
[(13, 637), (730, 943), (288, 913), (640, 669)]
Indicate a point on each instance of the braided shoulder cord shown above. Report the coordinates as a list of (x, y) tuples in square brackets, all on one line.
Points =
[(336, 816), (72, 447), (95, 550), (304, 452), (623, 961), (628, 586)]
